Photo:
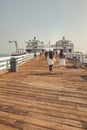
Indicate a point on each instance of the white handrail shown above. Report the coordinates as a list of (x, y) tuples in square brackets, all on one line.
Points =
[(21, 59), (4, 63), (79, 56)]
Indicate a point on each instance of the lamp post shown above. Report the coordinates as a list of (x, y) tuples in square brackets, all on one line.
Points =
[(15, 45)]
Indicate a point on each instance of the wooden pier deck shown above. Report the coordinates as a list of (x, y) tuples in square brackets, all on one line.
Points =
[(33, 99)]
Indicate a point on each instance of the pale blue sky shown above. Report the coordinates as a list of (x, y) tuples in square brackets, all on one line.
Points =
[(21, 20)]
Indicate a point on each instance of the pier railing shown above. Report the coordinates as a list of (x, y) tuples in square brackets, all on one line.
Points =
[(4, 63), (20, 59), (23, 58), (79, 57)]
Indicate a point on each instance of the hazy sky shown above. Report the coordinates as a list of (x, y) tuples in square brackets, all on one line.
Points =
[(21, 20)]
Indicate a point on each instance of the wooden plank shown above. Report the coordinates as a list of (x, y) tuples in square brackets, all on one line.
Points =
[(45, 106), (5, 127), (33, 116), (31, 120), (73, 100), (46, 109)]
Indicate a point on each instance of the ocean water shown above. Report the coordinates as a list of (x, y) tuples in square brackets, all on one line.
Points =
[(4, 55)]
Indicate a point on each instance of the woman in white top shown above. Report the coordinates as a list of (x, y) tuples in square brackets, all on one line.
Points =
[(50, 61), (62, 60)]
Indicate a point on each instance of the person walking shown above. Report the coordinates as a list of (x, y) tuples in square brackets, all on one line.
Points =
[(50, 60), (62, 60), (46, 54)]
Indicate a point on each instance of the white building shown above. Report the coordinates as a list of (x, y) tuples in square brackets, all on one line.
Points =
[(64, 44), (34, 45)]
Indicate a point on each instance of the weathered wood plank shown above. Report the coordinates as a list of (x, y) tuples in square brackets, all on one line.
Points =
[(46, 106), (5, 127)]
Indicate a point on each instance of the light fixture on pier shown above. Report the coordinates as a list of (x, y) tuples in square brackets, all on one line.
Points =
[(15, 45)]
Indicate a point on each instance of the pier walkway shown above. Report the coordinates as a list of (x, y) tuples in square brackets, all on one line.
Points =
[(33, 99)]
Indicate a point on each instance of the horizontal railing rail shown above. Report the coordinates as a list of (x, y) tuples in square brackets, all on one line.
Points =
[(78, 59), (20, 59), (4, 63), (79, 56)]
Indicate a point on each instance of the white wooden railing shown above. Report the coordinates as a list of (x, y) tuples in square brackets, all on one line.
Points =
[(82, 58), (21, 59), (4, 63)]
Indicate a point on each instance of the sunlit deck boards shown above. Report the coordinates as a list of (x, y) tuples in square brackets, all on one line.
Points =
[(32, 99)]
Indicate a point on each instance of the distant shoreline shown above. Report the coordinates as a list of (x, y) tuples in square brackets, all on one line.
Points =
[(5, 55)]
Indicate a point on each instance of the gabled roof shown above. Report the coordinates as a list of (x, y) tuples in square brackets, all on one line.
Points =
[(64, 40)]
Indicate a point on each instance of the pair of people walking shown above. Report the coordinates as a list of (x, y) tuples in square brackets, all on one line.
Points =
[(51, 60)]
